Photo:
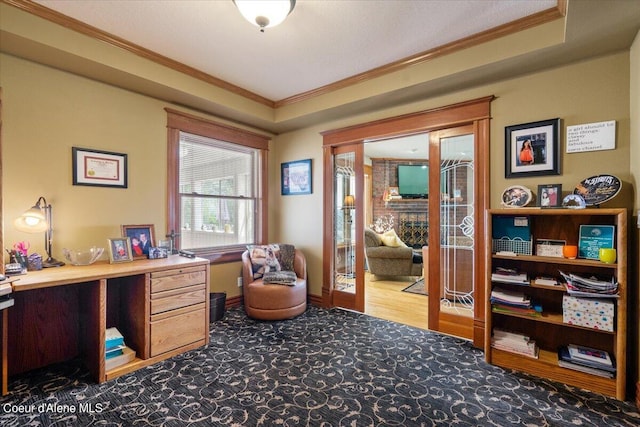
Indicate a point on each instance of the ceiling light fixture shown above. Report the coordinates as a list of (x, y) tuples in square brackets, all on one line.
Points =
[(265, 13)]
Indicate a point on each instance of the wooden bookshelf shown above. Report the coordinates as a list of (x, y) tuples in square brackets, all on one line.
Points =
[(549, 331)]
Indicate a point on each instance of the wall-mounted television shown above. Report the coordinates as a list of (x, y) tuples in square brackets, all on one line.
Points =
[(413, 181)]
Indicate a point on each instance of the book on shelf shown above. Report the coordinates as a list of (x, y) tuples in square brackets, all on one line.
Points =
[(113, 338), (115, 351), (546, 281), (6, 301), (585, 369), (509, 297), (535, 311), (514, 342), (127, 356), (508, 275), (589, 354), (5, 288), (567, 361)]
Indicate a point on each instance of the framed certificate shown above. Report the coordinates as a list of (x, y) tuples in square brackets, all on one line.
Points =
[(99, 168), (594, 237)]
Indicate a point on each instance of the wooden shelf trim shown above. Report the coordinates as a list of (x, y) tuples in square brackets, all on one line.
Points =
[(552, 318)]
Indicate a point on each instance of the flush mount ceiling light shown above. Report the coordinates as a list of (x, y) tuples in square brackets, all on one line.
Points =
[(265, 13)]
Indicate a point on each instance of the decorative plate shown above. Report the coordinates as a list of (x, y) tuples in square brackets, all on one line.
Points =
[(516, 196), (598, 189), (574, 201)]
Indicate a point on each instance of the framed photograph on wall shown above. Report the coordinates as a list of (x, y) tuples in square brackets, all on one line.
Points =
[(99, 168), (550, 195), (120, 250), (532, 149), (141, 238), (296, 177)]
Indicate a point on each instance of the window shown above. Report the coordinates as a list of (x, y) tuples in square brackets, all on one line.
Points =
[(217, 192)]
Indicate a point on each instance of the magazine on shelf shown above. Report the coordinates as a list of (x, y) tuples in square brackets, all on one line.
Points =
[(590, 287), (565, 356), (514, 342), (589, 354), (585, 369), (508, 275)]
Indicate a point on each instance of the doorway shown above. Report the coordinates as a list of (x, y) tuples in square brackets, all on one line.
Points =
[(475, 115)]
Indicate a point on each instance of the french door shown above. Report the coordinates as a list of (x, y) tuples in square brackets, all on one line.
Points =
[(347, 217), (343, 252)]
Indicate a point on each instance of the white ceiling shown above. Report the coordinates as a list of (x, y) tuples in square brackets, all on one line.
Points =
[(321, 42)]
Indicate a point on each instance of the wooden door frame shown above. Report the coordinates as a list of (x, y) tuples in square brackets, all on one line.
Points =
[(476, 112)]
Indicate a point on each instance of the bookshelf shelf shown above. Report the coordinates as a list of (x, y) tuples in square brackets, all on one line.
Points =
[(549, 331), (560, 261)]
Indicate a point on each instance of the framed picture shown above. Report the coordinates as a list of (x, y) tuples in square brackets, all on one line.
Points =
[(532, 149), (516, 196), (99, 168), (296, 177), (141, 239), (120, 250), (550, 195)]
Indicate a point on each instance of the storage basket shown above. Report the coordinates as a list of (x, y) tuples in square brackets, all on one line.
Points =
[(516, 245)]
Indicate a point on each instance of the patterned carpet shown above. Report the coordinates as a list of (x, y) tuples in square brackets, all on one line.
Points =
[(325, 368)]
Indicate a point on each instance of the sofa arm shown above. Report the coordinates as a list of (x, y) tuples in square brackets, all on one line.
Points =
[(389, 252)]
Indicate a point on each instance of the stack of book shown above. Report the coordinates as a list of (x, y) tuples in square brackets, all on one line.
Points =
[(6, 300), (117, 353), (508, 275), (586, 359), (590, 287), (514, 342), (513, 302)]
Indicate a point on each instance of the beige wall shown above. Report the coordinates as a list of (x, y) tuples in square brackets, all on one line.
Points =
[(592, 91), (634, 91), (46, 112)]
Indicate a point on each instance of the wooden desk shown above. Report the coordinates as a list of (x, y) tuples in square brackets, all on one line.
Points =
[(62, 313)]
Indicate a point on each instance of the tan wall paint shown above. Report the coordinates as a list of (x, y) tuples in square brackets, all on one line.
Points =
[(586, 92), (634, 91), (46, 112)]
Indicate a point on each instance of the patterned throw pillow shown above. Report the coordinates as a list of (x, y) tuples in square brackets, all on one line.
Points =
[(272, 257)]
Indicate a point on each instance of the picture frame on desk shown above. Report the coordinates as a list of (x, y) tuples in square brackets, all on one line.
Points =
[(532, 149), (141, 237), (120, 250)]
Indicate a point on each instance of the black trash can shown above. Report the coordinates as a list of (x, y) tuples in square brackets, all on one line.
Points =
[(216, 306)]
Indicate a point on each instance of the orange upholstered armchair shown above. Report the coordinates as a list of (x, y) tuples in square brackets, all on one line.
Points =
[(273, 301)]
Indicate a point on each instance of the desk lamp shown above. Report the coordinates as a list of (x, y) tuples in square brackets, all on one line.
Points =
[(36, 220)]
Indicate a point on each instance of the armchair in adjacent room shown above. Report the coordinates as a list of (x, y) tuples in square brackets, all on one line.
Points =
[(274, 281), (391, 259)]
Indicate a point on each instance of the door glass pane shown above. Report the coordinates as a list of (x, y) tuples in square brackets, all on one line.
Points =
[(457, 231), (344, 220)]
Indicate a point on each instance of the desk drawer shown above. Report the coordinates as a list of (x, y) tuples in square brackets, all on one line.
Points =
[(177, 298), (171, 332), (178, 278)]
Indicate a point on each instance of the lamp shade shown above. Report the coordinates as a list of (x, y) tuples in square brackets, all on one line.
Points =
[(265, 13), (349, 202), (32, 221)]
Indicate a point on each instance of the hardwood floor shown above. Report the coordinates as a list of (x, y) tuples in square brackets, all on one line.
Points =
[(384, 299)]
